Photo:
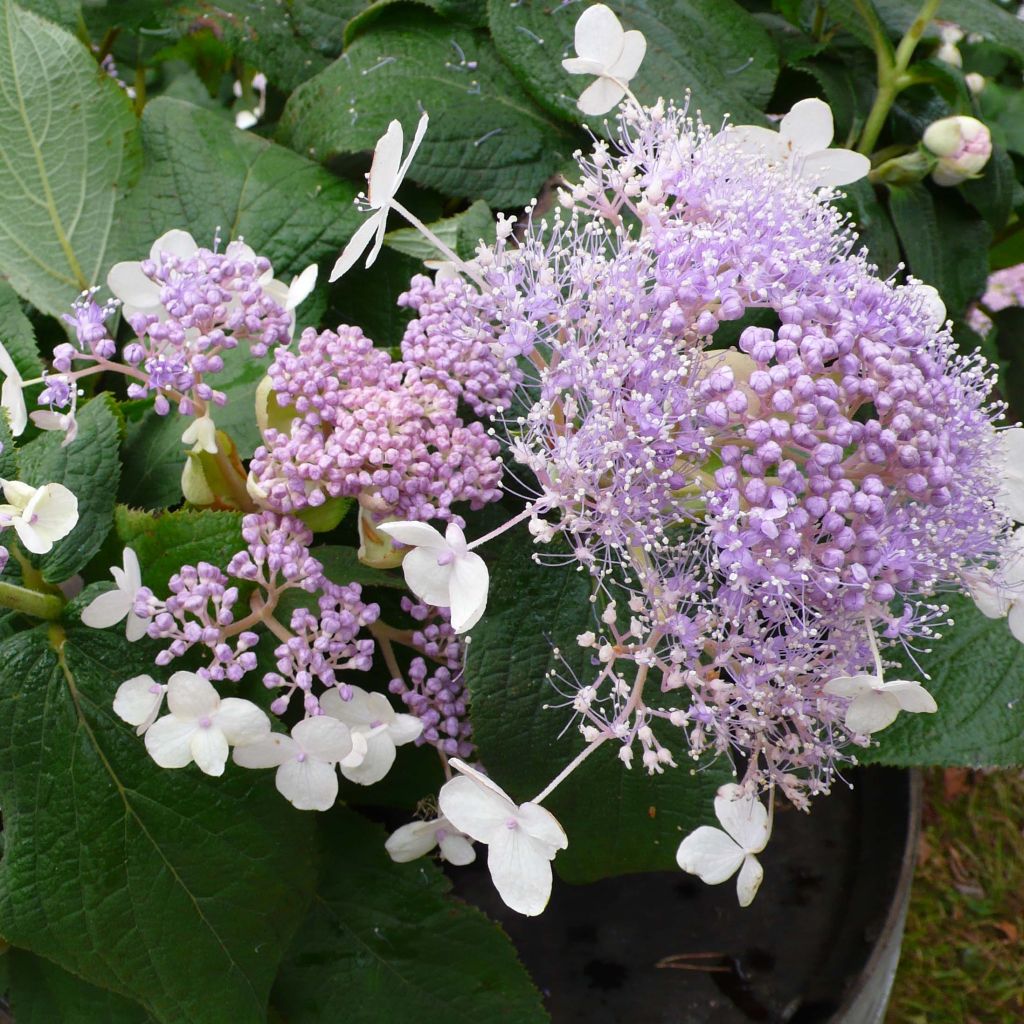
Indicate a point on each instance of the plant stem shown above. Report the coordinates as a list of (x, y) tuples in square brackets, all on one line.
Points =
[(892, 67), (31, 602)]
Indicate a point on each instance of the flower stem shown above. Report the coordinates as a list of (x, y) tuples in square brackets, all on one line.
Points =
[(440, 246), (570, 767), (892, 67), (499, 530), (30, 602)]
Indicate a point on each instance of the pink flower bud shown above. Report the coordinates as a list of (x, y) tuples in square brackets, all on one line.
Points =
[(963, 146)]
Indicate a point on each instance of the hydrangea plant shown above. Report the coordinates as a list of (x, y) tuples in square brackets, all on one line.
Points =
[(675, 458)]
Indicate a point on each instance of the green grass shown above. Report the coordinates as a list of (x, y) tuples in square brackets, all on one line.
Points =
[(963, 953)]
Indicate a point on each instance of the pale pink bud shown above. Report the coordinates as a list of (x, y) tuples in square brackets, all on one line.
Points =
[(963, 146)]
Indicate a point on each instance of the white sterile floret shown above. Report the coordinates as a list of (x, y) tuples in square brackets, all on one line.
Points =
[(12, 397), (41, 516), (201, 433), (874, 703), (377, 729), (139, 293), (386, 174), (716, 855), (306, 761), (138, 701), (999, 592), (604, 50), (1011, 491), (443, 571), (802, 143), (201, 726), (420, 837), (110, 608), (521, 839)]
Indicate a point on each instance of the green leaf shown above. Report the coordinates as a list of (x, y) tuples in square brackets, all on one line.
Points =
[(486, 138), (977, 678), (201, 174), (168, 887), (70, 152), (341, 565), (712, 47), (43, 993), (945, 243), (384, 943), (153, 457), (638, 821), (164, 543), (873, 225), (17, 334), (992, 194), (239, 379), (89, 467)]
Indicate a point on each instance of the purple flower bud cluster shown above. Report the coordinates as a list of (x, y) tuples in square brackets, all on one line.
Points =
[(322, 646), (364, 426), (760, 508), (451, 341), (277, 554), (436, 693)]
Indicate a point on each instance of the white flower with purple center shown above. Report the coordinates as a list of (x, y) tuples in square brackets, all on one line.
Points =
[(443, 570), (802, 143), (521, 839), (41, 516), (110, 608), (387, 172), (875, 703), (377, 730), (306, 761), (138, 701), (610, 54), (202, 726), (418, 838), (715, 855)]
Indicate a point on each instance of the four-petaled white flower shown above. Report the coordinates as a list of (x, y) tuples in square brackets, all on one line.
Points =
[(377, 729), (111, 607), (603, 49), (802, 142), (874, 703), (306, 761), (715, 856), (999, 592), (201, 726), (420, 837), (386, 174), (443, 571), (12, 397), (138, 701), (1011, 495), (521, 839), (41, 516)]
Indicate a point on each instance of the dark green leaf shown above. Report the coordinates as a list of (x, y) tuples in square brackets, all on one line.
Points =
[(486, 138), (17, 334), (70, 152), (341, 565), (169, 887), (201, 174), (90, 468), (873, 225), (164, 543), (43, 993), (639, 820), (239, 379), (153, 457), (384, 943), (712, 47), (992, 194), (977, 678)]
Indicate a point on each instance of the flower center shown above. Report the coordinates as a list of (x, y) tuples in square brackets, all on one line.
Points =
[(204, 722), (511, 823)]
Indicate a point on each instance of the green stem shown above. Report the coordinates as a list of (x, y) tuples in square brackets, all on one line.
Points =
[(892, 67), (31, 602)]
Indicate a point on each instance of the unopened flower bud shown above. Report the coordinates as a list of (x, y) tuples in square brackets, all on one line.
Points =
[(963, 146), (975, 82)]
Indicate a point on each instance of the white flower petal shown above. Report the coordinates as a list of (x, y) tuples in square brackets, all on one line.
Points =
[(752, 138), (911, 696), (478, 811), (414, 534), (600, 96), (133, 288), (412, 841), (310, 785), (191, 697), (50, 515), (582, 66), (520, 870), (175, 243), (404, 729), (324, 737), (872, 712), (356, 247), (241, 721), (421, 130), (634, 48), (12, 399), (387, 158), (132, 570), (135, 628), (357, 711), (479, 778), (138, 699), (468, 591), (270, 752), (748, 881), (743, 817), (850, 686), (376, 763), (107, 610), (598, 35), (169, 742), (209, 750), (834, 167), (301, 287), (710, 854), (540, 823), (18, 494), (429, 581), (1011, 443), (808, 125), (1015, 620), (245, 119), (456, 849)]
